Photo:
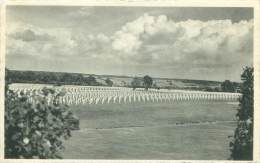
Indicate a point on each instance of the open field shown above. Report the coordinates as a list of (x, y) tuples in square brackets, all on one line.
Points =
[(179, 130)]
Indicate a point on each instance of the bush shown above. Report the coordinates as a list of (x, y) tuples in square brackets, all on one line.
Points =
[(109, 82), (242, 144), (35, 129), (147, 82), (228, 86)]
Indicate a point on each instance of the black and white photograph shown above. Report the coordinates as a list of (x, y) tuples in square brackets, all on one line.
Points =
[(129, 82)]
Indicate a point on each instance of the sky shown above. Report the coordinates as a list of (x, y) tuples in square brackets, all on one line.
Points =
[(172, 42)]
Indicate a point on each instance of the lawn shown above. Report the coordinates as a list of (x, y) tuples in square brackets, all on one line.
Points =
[(179, 130)]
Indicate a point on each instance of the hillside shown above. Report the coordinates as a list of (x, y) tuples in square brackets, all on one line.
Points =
[(61, 78)]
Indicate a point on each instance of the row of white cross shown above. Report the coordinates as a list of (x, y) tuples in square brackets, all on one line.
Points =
[(76, 95)]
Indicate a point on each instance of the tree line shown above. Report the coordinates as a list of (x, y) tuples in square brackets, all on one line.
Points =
[(51, 78), (146, 82)]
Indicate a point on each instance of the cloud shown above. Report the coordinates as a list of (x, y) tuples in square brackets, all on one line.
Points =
[(126, 42), (164, 40), (148, 42), (26, 39), (29, 35), (151, 38)]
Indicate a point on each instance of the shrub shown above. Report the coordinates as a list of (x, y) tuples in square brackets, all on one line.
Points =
[(242, 144), (228, 86), (35, 129), (109, 82), (136, 83), (147, 82)]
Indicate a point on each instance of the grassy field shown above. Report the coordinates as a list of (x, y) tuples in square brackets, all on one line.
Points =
[(180, 130)]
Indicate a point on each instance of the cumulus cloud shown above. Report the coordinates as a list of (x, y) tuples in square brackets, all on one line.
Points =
[(29, 35), (30, 40), (27, 39), (157, 37), (156, 41), (164, 40)]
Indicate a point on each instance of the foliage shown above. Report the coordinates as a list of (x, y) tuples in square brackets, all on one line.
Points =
[(242, 144), (156, 86), (212, 89), (136, 83), (199, 82), (148, 82), (228, 86), (35, 129), (56, 78), (109, 82), (170, 82), (60, 78)]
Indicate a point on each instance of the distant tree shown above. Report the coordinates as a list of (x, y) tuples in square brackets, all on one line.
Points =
[(66, 78), (156, 86), (79, 79), (209, 89), (109, 82), (170, 82), (29, 75), (8, 79), (216, 89), (45, 78), (123, 83), (237, 86), (135, 83), (148, 82), (91, 80), (242, 145), (53, 78), (228, 86)]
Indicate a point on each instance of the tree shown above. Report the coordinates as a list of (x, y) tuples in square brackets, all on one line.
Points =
[(148, 82), (38, 129), (136, 83), (109, 82), (79, 79), (66, 78), (35, 130), (242, 144), (8, 78), (29, 75), (91, 80), (156, 86), (170, 82), (228, 86)]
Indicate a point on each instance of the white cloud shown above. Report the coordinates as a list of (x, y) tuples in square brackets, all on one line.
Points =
[(128, 38), (126, 42), (205, 42), (149, 40), (26, 39)]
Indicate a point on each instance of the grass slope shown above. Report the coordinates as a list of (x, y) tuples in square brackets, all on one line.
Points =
[(153, 131)]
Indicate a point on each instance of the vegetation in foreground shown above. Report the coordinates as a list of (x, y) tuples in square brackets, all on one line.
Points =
[(35, 129), (242, 145)]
